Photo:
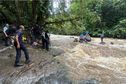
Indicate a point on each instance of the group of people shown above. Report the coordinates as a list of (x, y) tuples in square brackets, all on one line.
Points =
[(14, 35), (40, 36), (84, 37)]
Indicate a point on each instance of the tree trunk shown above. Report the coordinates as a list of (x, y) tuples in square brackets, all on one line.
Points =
[(34, 11), (17, 12)]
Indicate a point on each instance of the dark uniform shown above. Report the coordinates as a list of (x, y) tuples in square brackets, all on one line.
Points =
[(45, 40), (22, 47)]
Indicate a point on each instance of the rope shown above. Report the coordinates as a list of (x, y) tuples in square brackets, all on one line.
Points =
[(6, 48)]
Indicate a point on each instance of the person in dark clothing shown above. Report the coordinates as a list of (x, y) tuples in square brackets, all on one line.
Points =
[(102, 37), (12, 30), (45, 40), (19, 45), (36, 32)]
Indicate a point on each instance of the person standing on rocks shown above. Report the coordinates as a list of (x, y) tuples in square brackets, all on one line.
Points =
[(19, 45), (102, 37), (5, 31), (45, 40)]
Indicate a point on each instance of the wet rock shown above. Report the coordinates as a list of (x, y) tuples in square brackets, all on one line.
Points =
[(102, 43), (58, 62), (72, 37), (76, 40), (11, 55), (111, 43), (91, 81), (57, 78), (56, 51)]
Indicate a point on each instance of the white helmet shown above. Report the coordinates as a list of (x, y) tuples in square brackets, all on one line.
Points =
[(7, 25)]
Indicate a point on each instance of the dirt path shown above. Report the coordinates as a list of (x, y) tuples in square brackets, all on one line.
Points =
[(90, 63)]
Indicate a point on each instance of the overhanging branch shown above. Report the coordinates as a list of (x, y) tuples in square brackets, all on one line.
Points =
[(63, 20)]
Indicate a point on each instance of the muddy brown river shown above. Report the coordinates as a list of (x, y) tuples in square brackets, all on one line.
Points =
[(68, 62)]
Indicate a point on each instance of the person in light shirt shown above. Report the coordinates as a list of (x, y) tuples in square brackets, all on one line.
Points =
[(5, 31)]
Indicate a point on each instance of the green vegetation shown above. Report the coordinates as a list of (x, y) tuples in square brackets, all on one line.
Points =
[(95, 16), (24, 12)]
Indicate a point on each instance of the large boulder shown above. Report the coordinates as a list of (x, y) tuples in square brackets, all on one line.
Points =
[(55, 51)]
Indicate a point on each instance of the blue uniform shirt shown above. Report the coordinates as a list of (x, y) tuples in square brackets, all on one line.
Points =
[(20, 34), (20, 37)]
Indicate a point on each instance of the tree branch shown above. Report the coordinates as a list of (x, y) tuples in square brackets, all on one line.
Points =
[(63, 20)]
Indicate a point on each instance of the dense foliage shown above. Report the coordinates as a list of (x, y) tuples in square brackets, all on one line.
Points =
[(70, 16), (27, 12)]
